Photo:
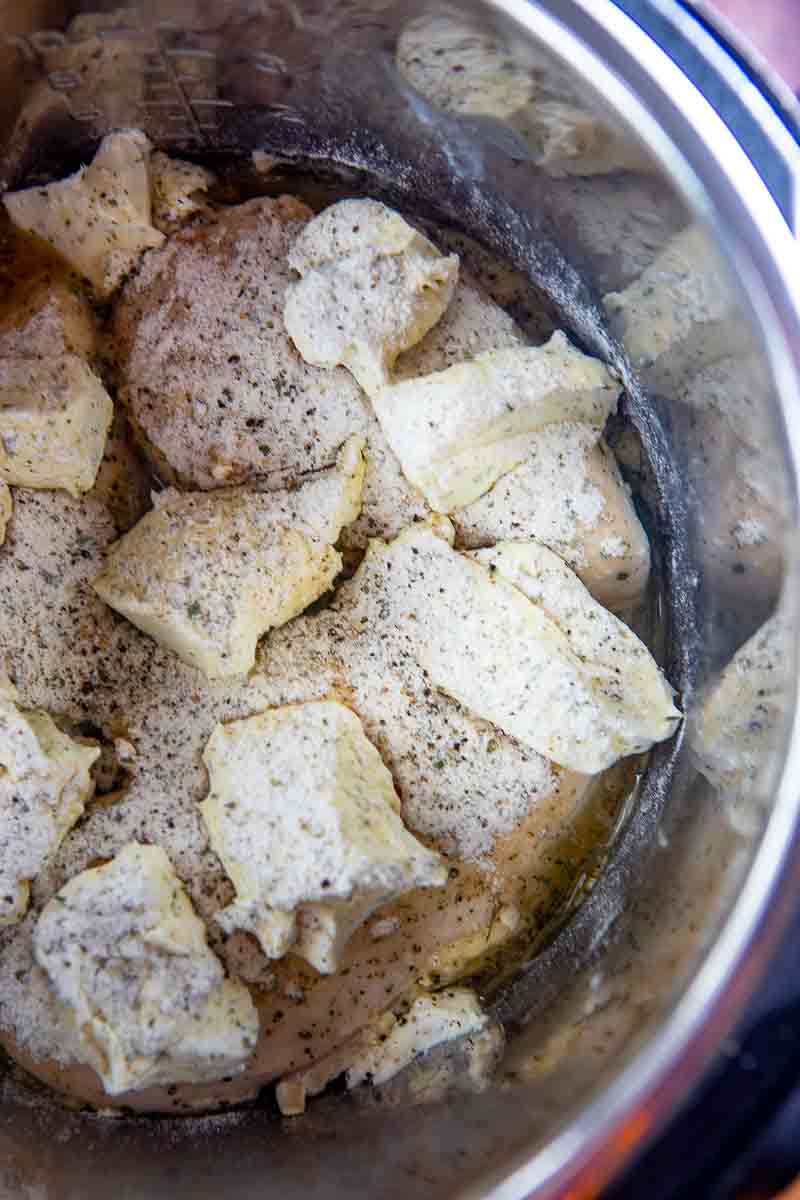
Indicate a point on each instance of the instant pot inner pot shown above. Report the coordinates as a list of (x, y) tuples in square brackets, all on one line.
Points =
[(315, 92)]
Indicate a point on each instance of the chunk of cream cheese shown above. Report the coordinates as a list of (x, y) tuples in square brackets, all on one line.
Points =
[(370, 287), (304, 815), (177, 191), (206, 574), (55, 416), (620, 665), (44, 784), (148, 1002), (581, 700), (99, 218), (457, 431)]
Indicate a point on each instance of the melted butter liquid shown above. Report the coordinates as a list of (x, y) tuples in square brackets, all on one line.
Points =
[(568, 872)]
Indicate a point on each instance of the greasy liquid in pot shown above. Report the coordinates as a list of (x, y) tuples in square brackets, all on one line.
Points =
[(571, 871), (578, 844)]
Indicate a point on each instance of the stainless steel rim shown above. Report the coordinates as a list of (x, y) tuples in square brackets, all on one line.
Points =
[(692, 143)]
